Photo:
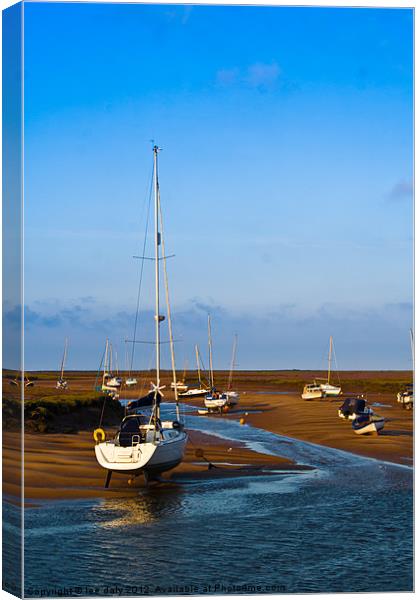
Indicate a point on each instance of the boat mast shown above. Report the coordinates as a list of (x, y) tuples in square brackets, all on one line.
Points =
[(168, 307), (412, 345), (197, 356), (210, 352), (64, 358), (157, 244), (329, 359), (232, 364), (105, 362)]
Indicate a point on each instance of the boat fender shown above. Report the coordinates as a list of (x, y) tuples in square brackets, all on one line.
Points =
[(99, 435)]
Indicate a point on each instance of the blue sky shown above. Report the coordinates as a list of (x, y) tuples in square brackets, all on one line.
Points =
[(286, 179)]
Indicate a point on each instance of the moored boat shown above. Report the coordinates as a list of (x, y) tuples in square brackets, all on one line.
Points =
[(215, 400), (62, 383), (369, 423), (313, 391), (406, 397), (328, 388), (354, 407), (144, 443)]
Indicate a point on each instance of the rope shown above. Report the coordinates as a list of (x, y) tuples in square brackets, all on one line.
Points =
[(141, 276)]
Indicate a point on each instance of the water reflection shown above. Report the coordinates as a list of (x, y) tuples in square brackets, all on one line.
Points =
[(146, 508)]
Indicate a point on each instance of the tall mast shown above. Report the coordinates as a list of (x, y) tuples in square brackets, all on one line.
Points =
[(64, 358), (157, 244), (210, 352), (168, 307), (232, 364), (105, 362), (329, 359), (197, 356), (412, 345)]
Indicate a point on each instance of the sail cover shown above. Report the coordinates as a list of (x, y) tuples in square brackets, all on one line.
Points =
[(144, 401), (353, 405)]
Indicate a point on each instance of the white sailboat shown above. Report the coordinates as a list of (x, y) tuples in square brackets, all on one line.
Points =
[(406, 395), (145, 444), (180, 385), (110, 382), (328, 388), (200, 391), (62, 383), (130, 381), (214, 400), (232, 395)]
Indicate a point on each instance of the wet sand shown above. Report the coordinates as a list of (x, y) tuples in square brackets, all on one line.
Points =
[(317, 421), (63, 466)]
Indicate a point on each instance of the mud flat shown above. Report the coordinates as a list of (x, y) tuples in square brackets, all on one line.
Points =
[(63, 466)]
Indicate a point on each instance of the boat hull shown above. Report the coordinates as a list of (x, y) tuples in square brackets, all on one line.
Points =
[(313, 395), (149, 457), (372, 427), (194, 393), (330, 390)]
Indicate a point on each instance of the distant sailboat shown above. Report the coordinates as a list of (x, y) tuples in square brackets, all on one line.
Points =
[(328, 388), (215, 400), (180, 385), (130, 381), (110, 382), (62, 383), (233, 396), (406, 395), (200, 391)]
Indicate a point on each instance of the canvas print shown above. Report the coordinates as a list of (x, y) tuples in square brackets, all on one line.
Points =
[(207, 299)]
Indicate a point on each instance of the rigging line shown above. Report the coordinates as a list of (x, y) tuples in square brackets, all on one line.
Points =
[(141, 275)]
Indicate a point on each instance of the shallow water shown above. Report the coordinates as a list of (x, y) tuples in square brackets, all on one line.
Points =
[(345, 526)]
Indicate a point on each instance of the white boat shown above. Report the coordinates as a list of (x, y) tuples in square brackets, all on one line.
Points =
[(202, 390), (180, 386), (145, 444), (313, 391), (62, 383), (194, 393), (233, 397), (214, 400), (110, 382), (328, 388), (406, 396), (130, 381), (366, 424)]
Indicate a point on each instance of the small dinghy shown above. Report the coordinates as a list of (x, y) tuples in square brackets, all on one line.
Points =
[(130, 381), (354, 407), (364, 424)]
